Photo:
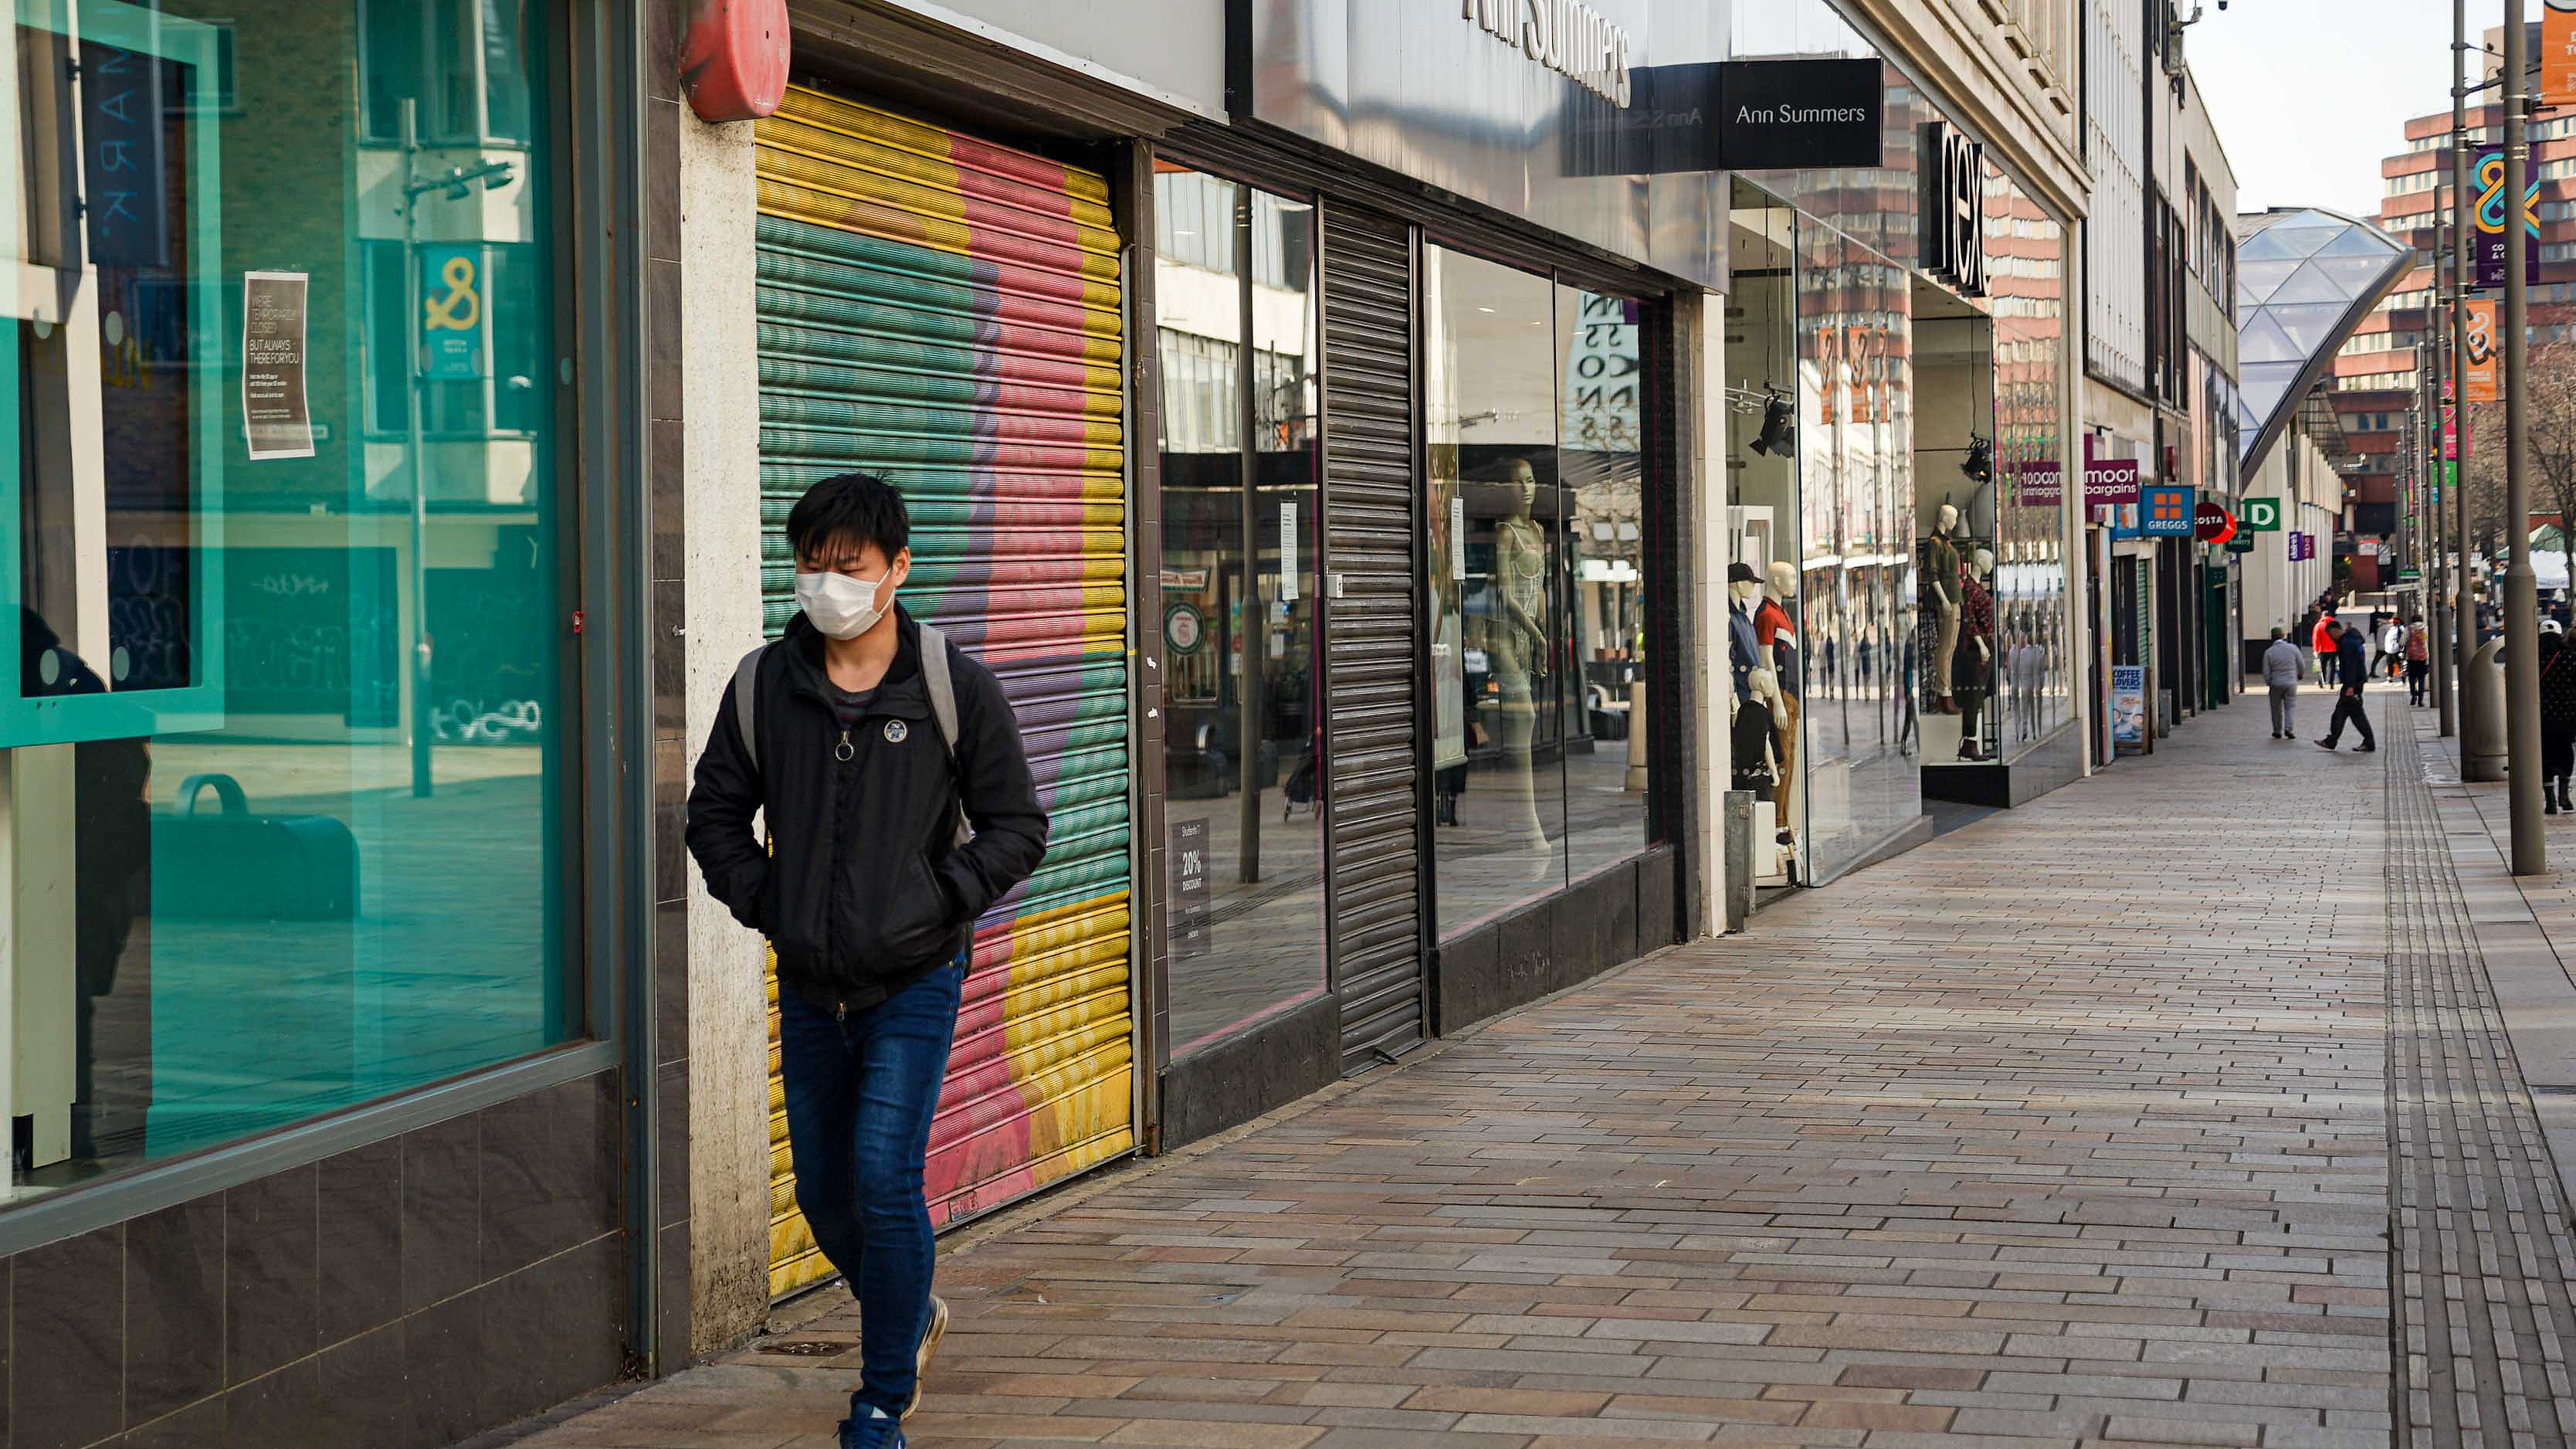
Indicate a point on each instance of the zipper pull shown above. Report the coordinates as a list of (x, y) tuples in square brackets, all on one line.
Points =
[(844, 749), (841, 1011)]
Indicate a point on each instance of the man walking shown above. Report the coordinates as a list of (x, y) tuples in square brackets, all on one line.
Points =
[(2322, 640), (2354, 668), (888, 767), (2283, 665)]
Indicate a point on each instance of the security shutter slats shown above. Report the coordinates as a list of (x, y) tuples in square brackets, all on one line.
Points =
[(1369, 536), (947, 313)]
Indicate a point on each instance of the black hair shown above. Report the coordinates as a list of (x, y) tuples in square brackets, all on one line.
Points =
[(858, 508)]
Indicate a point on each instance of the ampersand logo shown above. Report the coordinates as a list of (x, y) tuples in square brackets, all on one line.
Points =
[(461, 310)]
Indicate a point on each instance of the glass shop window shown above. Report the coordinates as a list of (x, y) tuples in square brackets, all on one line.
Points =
[(291, 724)]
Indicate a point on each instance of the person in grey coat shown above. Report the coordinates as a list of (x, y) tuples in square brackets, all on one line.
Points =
[(2283, 667)]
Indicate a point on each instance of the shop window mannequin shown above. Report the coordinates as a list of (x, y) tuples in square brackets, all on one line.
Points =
[(1516, 642), (1759, 764), (1941, 578), (1972, 670), (1743, 645), (1775, 634)]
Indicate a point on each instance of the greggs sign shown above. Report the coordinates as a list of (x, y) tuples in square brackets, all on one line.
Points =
[(1567, 36)]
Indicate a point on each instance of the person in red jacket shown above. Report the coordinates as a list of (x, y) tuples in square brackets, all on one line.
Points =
[(2323, 642)]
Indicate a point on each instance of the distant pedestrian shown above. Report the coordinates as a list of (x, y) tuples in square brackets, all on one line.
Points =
[(2322, 641), (2283, 667), (2419, 661), (2392, 648), (2557, 716), (2351, 669)]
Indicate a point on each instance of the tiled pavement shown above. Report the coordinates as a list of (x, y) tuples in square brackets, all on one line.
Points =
[(2066, 1128)]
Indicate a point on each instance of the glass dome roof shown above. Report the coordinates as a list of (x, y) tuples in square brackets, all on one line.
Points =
[(2305, 278)]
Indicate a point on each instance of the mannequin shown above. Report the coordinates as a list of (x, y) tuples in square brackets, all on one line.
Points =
[(1743, 645), (1941, 577), (1973, 670), (1757, 747), (1516, 642), (1775, 631), (1755, 752)]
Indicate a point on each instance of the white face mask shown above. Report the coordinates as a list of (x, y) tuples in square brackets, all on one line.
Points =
[(841, 606)]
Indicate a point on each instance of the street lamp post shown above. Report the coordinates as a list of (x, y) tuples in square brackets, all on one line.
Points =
[(2464, 609), (457, 184), (2436, 564), (2521, 588), (413, 190)]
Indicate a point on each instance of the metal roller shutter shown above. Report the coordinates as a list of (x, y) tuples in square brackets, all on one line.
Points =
[(946, 313), (1370, 635)]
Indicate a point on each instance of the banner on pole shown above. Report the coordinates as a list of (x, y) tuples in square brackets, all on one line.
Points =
[(2478, 365), (2493, 247), (2558, 52)]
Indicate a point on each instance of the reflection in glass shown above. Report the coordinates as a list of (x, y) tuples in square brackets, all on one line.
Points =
[(306, 871), (1855, 447), (1245, 922), (2026, 273), (1496, 510), (1601, 457)]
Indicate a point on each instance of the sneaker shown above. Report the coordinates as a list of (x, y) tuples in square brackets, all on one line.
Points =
[(931, 1333), (876, 1431)]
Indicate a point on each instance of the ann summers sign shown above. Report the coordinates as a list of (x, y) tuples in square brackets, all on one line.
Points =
[(1953, 172), (1567, 36), (1799, 113)]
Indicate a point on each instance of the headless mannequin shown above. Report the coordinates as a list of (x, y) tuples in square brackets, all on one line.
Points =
[(1757, 748), (1974, 670), (1775, 627), (1942, 580), (1516, 641)]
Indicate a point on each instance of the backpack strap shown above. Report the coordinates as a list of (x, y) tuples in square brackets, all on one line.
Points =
[(943, 709), (746, 695)]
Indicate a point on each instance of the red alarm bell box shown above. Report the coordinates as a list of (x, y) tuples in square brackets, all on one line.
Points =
[(733, 60)]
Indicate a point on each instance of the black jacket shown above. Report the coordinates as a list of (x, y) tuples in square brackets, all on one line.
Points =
[(2351, 665), (862, 891)]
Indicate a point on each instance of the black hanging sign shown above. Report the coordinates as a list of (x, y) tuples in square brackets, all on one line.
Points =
[(1952, 210), (1735, 115), (1799, 114)]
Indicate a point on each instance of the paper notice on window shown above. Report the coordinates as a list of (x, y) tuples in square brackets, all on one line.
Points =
[(1289, 567), (1457, 535), (277, 418)]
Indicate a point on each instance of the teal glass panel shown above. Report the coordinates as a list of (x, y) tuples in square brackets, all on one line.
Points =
[(292, 718)]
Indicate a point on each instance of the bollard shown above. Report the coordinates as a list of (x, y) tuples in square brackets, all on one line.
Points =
[(1738, 846), (1636, 737), (2482, 747)]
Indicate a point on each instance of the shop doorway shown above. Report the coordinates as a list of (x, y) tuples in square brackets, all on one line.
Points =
[(1763, 409)]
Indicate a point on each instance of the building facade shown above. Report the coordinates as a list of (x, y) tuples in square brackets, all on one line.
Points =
[(2160, 378), (1337, 443), (324, 928)]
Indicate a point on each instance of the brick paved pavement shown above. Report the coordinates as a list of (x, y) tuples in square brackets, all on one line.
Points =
[(2067, 1128)]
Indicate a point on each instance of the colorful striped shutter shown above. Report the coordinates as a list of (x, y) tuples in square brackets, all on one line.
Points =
[(946, 313)]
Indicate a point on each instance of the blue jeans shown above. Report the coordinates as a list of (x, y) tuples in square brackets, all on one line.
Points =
[(860, 1094)]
